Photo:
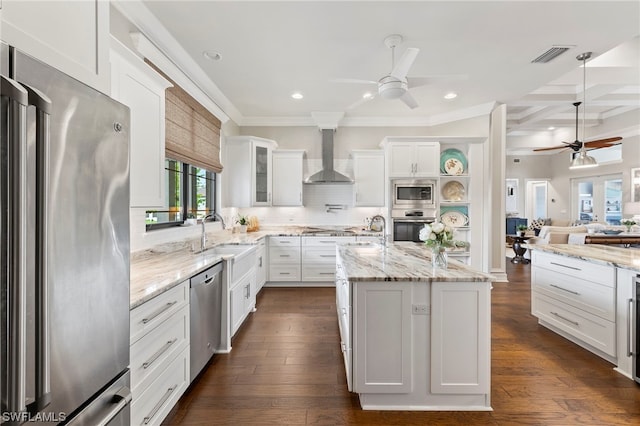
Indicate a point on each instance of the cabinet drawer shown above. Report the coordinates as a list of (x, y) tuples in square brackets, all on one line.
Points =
[(284, 272), (594, 298), (284, 241), (577, 268), (314, 255), (595, 331), (153, 405), (319, 273), (149, 315), (326, 241), (152, 353), (284, 255)]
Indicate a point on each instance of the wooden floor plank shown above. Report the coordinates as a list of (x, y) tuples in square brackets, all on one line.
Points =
[(286, 369)]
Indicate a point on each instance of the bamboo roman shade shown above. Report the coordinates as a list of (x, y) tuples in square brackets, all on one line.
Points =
[(192, 133)]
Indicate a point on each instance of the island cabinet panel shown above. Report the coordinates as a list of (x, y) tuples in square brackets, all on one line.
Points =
[(382, 332), (624, 320), (460, 338)]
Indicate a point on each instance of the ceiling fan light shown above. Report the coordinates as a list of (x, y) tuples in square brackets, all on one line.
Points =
[(392, 89), (583, 161)]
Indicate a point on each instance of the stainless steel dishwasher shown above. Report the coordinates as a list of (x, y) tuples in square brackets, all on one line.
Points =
[(206, 316)]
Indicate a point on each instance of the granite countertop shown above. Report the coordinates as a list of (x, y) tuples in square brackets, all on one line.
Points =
[(401, 261), (159, 269), (626, 258)]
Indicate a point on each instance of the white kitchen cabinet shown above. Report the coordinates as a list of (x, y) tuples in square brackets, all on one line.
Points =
[(247, 177), (287, 177), (261, 264), (577, 299), (369, 177), (72, 36), (460, 338), (284, 260), (319, 257), (159, 338), (138, 86), (242, 299), (383, 341), (413, 159)]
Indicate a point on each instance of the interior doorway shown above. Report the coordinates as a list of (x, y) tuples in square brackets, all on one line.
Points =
[(536, 199), (597, 199)]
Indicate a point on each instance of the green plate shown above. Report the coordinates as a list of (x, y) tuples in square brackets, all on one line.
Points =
[(453, 162)]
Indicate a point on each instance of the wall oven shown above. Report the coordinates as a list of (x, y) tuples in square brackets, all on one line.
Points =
[(413, 194), (406, 224)]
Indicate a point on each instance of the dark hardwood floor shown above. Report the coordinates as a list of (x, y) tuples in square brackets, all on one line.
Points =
[(286, 369)]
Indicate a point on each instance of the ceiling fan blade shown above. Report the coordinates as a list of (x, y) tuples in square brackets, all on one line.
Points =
[(433, 79), (401, 69), (607, 140), (352, 80), (409, 100), (551, 148)]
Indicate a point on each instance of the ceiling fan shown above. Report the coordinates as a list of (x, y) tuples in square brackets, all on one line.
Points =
[(577, 145), (396, 84)]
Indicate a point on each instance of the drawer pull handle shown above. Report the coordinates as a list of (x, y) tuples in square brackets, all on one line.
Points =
[(327, 242), (327, 255), (159, 405), (564, 289), (326, 273), (158, 312), (157, 355), (285, 255), (566, 266), (630, 326), (285, 273), (566, 319)]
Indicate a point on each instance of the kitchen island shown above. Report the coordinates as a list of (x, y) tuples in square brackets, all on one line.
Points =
[(585, 294), (413, 337)]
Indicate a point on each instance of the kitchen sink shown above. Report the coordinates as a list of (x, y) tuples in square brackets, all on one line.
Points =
[(227, 249)]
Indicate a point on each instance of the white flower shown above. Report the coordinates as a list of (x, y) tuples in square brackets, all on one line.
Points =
[(424, 233), (437, 227), (432, 236)]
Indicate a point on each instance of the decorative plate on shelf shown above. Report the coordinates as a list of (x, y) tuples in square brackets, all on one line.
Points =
[(453, 191), (453, 162), (454, 219)]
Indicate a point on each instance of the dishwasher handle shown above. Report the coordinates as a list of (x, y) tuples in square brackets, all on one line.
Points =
[(206, 277)]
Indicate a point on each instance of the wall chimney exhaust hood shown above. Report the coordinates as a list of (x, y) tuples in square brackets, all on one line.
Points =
[(328, 122)]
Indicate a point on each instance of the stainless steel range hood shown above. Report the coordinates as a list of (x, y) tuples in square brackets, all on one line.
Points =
[(327, 175)]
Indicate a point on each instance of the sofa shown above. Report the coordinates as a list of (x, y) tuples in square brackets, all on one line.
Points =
[(550, 234)]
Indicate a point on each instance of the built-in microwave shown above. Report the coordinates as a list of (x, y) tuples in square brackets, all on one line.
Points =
[(413, 193)]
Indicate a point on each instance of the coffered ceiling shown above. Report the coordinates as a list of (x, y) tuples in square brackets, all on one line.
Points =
[(269, 50)]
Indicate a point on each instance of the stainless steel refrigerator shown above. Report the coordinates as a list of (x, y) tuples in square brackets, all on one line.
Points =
[(64, 220)]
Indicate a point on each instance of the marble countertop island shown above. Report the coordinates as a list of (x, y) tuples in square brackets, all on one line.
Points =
[(626, 258), (401, 261)]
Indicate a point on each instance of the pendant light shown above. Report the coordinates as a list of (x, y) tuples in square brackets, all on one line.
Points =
[(583, 160)]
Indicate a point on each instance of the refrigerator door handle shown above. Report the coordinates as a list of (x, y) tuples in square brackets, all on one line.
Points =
[(42, 105), (15, 400), (122, 398)]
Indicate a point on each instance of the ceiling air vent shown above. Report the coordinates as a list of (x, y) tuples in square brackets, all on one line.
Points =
[(550, 54)]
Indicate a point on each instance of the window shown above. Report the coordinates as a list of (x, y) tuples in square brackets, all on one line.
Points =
[(190, 192)]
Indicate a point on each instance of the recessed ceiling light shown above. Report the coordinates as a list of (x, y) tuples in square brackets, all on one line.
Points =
[(551, 128), (367, 95), (451, 95), (211, 55), (297, 95)]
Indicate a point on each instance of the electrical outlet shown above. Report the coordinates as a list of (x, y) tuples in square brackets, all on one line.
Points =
[(420, 309)]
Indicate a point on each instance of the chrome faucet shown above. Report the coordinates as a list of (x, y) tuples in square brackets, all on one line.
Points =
[(203, 237), (217, 216), (383, 238)]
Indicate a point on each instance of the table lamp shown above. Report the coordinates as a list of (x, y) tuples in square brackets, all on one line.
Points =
[(632, 209)]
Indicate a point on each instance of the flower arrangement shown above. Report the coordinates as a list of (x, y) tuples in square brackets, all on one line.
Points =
[(242, 220), (437, 235), (628, 223)]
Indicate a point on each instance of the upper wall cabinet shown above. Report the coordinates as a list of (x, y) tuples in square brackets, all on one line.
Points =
[(413, 159), (247, 176), (287, 177), (142, 89), (72, 36), (368, 174)]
